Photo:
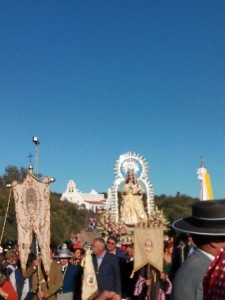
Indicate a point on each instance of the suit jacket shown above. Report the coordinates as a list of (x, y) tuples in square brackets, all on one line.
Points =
[(187, 284), (108, 274), (51, 287), (70, 278)]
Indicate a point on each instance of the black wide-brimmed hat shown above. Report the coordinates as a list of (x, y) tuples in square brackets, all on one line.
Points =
[(208, 218)]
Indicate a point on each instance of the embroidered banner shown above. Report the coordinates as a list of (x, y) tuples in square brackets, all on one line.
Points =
[(148, 247), (33, 215)]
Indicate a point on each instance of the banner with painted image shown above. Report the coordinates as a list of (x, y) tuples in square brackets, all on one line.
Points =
[(89, 285), (33, 216), (148, 247)]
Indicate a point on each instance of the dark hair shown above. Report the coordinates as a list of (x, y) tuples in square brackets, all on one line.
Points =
[(82, 251), (201, 240), (167, 245), (113, 238)]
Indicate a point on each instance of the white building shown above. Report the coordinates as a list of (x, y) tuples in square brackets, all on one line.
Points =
[(92, 200)]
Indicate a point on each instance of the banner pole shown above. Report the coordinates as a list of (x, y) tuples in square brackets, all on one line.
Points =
[(149, 278), (38, 267), (6, 215)]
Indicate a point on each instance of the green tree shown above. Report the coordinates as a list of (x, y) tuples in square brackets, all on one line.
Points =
[(175, 207)]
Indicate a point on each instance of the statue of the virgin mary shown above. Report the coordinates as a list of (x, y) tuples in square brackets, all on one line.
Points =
[(132, 208)]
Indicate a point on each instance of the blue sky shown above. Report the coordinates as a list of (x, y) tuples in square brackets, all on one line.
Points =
[(94, 79)]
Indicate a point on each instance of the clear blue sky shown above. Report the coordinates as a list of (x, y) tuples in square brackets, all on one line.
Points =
[(94, 79)]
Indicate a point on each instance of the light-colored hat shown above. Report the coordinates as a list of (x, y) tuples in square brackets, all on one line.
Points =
[(63, 253)]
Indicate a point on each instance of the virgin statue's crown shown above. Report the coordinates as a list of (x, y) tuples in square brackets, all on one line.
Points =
[(130, 166)]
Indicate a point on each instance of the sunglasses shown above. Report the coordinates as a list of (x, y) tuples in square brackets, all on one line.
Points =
[(111, 243)]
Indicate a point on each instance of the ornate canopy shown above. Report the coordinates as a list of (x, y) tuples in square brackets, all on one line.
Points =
[(136, 163)]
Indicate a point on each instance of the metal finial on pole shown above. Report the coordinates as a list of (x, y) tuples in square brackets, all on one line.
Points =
[(30, 164), (37, 143), (202, 162)]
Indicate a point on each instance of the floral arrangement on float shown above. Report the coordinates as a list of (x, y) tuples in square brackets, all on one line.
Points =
[(156, 219), (107, 225)]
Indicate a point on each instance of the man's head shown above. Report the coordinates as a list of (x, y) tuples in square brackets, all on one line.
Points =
[(206, 225), (111, 244), (130, 250), (210, 244), (98, 246), (64, 261), (63, 256)]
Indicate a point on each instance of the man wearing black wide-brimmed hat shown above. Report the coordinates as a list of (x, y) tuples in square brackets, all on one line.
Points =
[(207, 228)]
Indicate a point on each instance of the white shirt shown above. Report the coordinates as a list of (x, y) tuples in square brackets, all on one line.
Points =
[(64, 267), (210, 256)]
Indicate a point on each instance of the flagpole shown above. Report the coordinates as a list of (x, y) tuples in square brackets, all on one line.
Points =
[(149, 278), (38, 267), (37, 143), (6, 214)]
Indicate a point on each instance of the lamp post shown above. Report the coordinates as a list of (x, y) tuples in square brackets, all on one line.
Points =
[(37, 143)]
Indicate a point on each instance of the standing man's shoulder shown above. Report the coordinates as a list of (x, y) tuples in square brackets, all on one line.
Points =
[(55, 266), (187, 283), (120, 254), (110, 256), (196, 263), (55, 263)]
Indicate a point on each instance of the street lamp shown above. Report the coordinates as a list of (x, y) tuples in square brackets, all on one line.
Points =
[(36, 140), (37, 143)]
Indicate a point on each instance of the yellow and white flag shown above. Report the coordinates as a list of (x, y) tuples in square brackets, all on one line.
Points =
[(89, 285), (206, 188), (148, 247)]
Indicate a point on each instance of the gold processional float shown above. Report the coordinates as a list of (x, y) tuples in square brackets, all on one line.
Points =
[(129, 220)]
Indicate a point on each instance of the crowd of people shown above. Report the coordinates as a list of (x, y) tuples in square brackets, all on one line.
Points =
[(65, 278), (193, 266)]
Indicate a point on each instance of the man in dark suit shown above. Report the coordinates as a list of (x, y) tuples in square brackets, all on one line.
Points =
[(71, 275), (111, 248), (107, 270), (207, 226)]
